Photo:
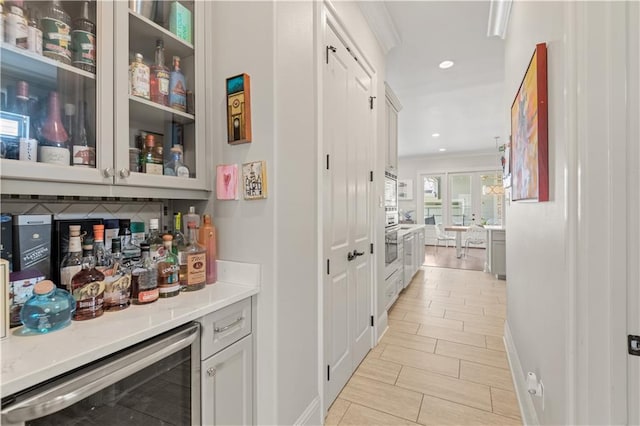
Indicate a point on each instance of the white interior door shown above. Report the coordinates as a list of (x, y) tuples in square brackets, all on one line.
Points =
[(347, 130)]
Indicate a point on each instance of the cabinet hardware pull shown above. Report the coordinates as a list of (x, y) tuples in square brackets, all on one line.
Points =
[(211, 372), (225, 328), (357, 253), (125, 173), (108, 172)]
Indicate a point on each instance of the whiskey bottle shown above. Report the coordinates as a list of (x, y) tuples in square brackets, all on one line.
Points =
[(72, 262), (144, 279), (83, 41), (152, 156), (207, 239), (102, 257), (56, 33), (88, 288), (117, 284), (168, 283), (159, 84), (139, 76), (177, 87), (193, 263), (53, 146)]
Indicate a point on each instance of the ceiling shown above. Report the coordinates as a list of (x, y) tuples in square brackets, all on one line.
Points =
[(465, 103)]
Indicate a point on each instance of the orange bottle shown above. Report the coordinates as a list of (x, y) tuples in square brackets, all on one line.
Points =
[(207, 239)]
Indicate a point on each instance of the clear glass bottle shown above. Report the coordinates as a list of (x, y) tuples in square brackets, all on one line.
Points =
[(102, 257), (159, 84), (139, 77), (72, 262), (193, 263), (117, 283), (178, 237), (49, 309), (88, 288), (190, 217), (175, 166), (152, 156), (144, 279), (177, 87), (83, 41), (69, 121), (16, 28), (130, 250), (56, 33), (35, 32), (84, 153), (207, 239), (168, 268), (154, 240), (53, 146)]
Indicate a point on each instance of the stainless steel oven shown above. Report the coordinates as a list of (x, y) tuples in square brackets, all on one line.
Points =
[(153, 382), (390, 250), (390, 199)]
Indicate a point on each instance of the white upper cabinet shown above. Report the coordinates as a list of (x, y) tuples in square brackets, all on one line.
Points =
[(392, 108), (86, 128)]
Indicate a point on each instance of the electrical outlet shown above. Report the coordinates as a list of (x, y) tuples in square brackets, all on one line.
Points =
[(542, 393)]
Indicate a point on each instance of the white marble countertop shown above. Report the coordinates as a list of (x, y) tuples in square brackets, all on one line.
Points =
[(31, 359), (408, 228)]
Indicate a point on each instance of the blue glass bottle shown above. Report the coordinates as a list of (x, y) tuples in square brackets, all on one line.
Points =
[(177, 87), (49, 309)]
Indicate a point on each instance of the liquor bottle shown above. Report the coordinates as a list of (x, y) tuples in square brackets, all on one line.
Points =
[(69, 121), (53, 141), (56, 33), (207, 239), (177, 87), (72, 262), (193, 263), (178, 237), (16, 29), (159, 84), (152, 156), (88, 288), (117, 284), (130, 251), (154, 240), (168, 268), (34, 32), (101, 255), (139, 75), (144, 279), (84, 153), (175, 166), (190, 217), (49, 309), (83, 41)]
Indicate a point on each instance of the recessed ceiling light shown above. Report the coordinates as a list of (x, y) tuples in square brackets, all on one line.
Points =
[(435, 135), (443, 149), (446, 64)]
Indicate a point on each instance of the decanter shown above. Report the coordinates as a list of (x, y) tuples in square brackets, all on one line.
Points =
[(49, 309)]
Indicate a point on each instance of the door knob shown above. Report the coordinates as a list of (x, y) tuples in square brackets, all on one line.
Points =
[(211, 372), (124, 173), (108, 172)]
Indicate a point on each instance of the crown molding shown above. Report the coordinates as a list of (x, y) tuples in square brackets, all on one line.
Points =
[(381, 24)]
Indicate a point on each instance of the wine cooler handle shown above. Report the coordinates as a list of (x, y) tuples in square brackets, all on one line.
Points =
[(108, 172), (125, 173)]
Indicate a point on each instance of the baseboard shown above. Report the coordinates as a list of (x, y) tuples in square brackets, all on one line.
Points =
[(528, 411), (311, 415), (383, 324)]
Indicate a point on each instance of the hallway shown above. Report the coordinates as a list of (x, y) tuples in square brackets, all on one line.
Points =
[(442, 360)]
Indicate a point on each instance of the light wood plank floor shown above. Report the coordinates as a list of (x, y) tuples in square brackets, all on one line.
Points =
[(441, 362)]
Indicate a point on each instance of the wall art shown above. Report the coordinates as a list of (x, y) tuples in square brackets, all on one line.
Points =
[(227, 182), (254, 180), (238, 109), (405, 189), (529, 132)]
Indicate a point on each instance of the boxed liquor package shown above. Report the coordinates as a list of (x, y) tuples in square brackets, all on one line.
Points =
[(6, 239), (180, 21), (61, 240), (32, 243)]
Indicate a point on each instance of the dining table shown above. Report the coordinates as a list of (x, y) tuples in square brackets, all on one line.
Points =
[(458, 229)]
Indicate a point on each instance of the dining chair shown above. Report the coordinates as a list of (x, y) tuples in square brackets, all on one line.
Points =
[(442, 236), (475, 235)]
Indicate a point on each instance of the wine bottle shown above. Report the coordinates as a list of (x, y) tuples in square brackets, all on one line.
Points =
[(53, 146), (84, 154)]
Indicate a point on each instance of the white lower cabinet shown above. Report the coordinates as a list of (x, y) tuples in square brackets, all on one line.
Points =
[(227, 385)]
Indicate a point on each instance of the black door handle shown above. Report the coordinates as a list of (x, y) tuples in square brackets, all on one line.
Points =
[(350, 256), (357, 253)]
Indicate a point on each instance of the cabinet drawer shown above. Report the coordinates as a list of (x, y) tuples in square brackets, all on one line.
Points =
[(225, 327)]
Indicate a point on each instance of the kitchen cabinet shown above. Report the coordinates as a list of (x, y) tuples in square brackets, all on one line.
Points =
[(393, 287), (113, 117), (392, 108), (409, 249), (496, 252)]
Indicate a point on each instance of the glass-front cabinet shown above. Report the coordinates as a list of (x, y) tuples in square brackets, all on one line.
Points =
[(103, 98)]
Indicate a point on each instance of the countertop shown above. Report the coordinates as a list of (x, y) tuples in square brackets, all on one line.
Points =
[(407, 229), (31, 359)]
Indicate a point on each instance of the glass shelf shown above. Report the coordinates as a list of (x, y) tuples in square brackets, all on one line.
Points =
[(145, 111), (147, 32)]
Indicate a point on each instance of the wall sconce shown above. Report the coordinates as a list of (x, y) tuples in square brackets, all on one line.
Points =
[(498, 18)]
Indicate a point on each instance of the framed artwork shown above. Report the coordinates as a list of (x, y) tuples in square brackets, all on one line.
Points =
[(227, 182), (529, 132), (238, 109), (405, 189), (254, 180)]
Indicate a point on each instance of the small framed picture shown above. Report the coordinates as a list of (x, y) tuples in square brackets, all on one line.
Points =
[(227, 182), (254, 180), (238, 109)]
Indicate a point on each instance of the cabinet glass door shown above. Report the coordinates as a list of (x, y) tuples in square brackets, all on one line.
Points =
[(52, 81), (160, 94)]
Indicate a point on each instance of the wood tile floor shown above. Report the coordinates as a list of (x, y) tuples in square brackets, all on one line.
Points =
[(441, 362)]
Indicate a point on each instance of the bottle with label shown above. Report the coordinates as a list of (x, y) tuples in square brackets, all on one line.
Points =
[(207, 239), (144, 279), (56, 33), (159, 84), (175, 166), (117, 284), (137, 233), (190, 217), (154, 240), (83, 41), (84, 153), (34, 32), (178, 241), (177, 87), (139, 77), (168, 267), (130, 251), (69, 121), (88, 288), (16, 28), (22, 105), (49, 308), (193, 263), (102, 257), (152, 156), (53, 146), (72, 262)]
